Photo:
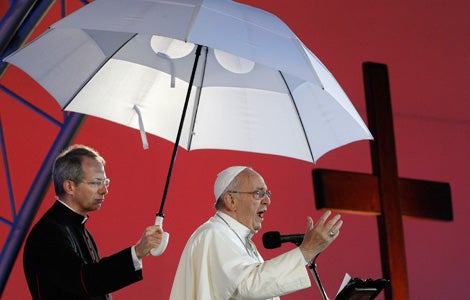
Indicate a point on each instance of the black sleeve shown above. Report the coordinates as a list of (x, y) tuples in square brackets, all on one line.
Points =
[(53, 260), (110, 273)]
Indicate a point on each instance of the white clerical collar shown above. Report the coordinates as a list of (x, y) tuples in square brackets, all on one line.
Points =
[(66, 205), (235, 225)]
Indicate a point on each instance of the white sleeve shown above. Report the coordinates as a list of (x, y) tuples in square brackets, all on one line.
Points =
[(137, 262), (281, 275)]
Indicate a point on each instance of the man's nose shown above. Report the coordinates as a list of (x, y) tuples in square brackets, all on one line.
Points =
[(266, 200), (104, 189)]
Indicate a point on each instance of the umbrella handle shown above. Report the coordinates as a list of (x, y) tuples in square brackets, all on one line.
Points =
[(165, 237)]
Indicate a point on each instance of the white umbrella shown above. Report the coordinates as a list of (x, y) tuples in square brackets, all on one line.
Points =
[(212, 74)]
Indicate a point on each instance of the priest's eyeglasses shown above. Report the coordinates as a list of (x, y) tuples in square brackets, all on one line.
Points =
[(99, 183), (258, 195)]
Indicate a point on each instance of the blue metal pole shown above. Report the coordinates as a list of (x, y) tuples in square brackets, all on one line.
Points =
[(18, 23), (34, 197)]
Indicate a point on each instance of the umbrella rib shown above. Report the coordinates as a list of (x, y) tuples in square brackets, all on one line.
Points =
[(196, 101), (307, 60), (193, 20), (96, 71), (298, 115)]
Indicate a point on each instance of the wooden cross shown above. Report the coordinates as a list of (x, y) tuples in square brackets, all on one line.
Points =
[(383, 193)]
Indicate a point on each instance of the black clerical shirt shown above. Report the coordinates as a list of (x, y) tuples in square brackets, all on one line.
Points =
[(61, 260)]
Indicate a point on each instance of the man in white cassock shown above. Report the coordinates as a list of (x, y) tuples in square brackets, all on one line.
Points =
[(219, 260)]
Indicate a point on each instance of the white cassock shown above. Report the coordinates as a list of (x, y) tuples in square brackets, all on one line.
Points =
[(218, 263)]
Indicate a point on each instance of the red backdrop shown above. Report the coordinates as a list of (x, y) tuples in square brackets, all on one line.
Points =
[(426, 47)]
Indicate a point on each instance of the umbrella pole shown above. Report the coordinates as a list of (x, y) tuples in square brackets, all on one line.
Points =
[(159, 218), (180, 129)]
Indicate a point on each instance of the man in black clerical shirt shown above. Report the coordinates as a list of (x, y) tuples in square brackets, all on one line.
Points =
[(61, 259)]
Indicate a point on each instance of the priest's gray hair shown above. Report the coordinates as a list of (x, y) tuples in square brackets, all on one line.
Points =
[(233, 186)]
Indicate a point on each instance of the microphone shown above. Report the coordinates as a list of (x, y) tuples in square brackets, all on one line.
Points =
[(273, 239)]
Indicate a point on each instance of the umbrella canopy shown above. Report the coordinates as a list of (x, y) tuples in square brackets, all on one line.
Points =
[(256, 87), (200, 73)]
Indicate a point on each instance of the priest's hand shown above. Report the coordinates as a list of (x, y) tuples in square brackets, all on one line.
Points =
[(150, 239), (320, 235)]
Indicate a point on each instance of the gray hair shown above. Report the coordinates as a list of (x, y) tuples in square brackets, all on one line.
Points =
[(233, 186), (68, 166)]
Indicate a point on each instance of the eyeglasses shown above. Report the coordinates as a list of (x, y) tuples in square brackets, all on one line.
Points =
[(258, 195), (99, 183)]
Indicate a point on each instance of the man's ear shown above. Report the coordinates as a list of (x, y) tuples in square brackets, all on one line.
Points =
[(69, 186), (230, 202)]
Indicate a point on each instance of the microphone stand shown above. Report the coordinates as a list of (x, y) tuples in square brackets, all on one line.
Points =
[(313, 267)]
